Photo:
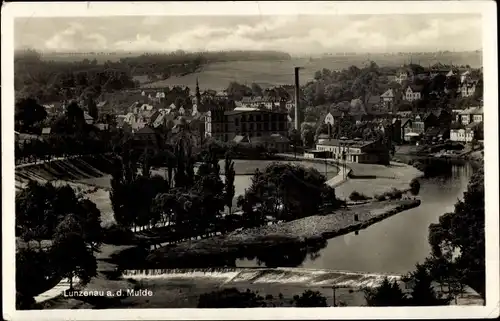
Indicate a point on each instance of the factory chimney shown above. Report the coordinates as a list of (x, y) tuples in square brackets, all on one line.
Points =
[(297, 98)]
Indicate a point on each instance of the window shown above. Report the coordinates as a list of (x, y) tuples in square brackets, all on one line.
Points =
[(259, 126), (273, 126), (244, 127), (266, 126), (251, 126), (258, 118), (236, 122)]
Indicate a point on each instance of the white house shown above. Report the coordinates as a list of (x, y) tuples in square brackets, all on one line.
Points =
[(329, 119), (470, 115), (465, 134), (413, 94), (402, 76)]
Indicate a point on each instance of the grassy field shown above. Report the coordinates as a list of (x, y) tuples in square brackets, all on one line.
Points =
[(217, 76), (397, 175)]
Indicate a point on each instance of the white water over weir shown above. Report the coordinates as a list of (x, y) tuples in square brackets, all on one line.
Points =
[(306, 277)]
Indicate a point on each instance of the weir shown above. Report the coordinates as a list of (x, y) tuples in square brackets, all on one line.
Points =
[(296, 276)]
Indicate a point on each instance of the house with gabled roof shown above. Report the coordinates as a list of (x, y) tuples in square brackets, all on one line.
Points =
[(390, 98), (88, 119), (355, 150), (277, 142), (467, 88), (413, 93)]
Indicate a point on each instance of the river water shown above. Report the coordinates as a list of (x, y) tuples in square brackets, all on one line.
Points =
[(396, 244)]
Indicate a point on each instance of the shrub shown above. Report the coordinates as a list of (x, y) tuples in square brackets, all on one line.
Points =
[(310, 299), (356, 196), (380, 197), (414, 186), (393, 194)]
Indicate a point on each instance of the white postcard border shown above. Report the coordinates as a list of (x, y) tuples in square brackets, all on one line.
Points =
[(90, 9)]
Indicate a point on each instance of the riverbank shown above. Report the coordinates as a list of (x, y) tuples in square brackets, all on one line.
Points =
[(309, 229)]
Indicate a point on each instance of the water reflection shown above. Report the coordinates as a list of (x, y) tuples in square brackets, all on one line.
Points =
[(292, 254), (393, 245), (396, 244)]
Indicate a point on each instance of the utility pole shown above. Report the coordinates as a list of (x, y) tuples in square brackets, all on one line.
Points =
[(334, 296)]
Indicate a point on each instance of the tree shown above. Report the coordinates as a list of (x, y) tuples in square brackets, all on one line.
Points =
[(92, 108), (285, 191), (386, 294), (27, 113), (414, 186), (34, 271), (229, 190), (256, 90), (462, 232), (307, 135), (422, 291), (70, 254), (237, 91), (89, 217), (310, 299)]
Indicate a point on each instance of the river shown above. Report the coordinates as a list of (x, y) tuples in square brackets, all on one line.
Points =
[(396, 244)]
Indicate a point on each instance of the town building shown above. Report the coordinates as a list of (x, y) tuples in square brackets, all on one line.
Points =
[(470, 115), (88, 119), (355, 150), (22, 139), (468, 88), (404, 75), (373, 102), (276, 142), (269, 103), (145, 137), (466, 133), (390, 99), (316, 154), (465, 76), (413, 93), (225, 125)]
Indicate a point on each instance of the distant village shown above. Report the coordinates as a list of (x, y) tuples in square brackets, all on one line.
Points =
[(269, 119)]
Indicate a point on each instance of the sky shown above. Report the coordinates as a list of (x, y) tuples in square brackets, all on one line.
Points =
[(295, 34)]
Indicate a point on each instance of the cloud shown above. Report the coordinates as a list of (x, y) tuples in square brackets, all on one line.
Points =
[(76, 38), (294, 34)]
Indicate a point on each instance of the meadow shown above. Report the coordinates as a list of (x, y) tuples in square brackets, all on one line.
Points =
[(217, 76)]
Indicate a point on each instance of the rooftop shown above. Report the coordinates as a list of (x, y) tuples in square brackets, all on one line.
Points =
[(472, 111), (273, 138), (237, 112), (349, 142)]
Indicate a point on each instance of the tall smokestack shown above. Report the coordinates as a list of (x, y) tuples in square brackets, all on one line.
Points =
[(297, 98)]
